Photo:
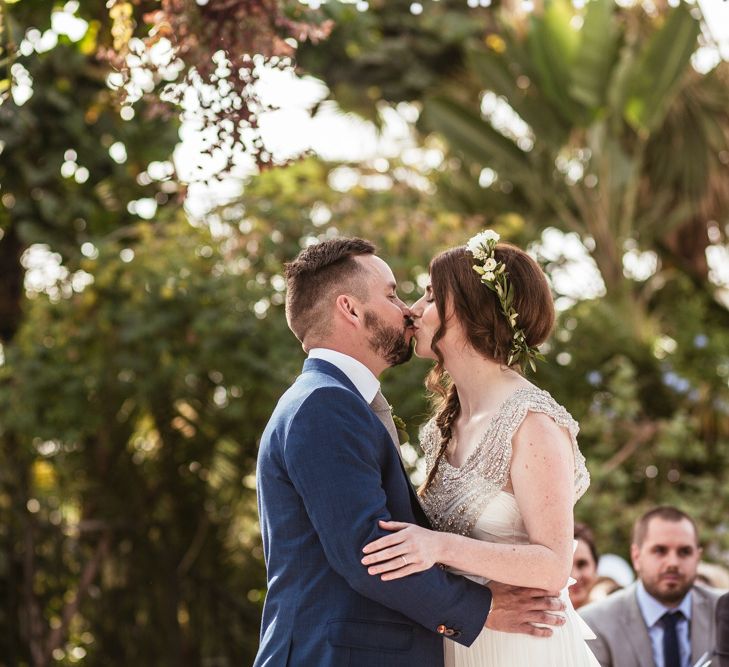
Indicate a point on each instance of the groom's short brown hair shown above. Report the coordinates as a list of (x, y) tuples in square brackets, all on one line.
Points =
[(316, 277)]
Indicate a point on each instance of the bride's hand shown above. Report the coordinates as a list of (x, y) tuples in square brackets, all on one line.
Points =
[(407, 550)]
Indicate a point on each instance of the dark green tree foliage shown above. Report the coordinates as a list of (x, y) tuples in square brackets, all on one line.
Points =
[(387, 53), (654, 415), (71, 117), (59, 186), (137, 405)]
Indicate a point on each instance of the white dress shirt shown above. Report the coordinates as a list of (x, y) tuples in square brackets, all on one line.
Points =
[(361, 377), (652, 611)]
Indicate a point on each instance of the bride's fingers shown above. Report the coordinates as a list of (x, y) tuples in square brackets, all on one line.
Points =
[(394, 563), (393, 525), (384, 555), (383, 542)]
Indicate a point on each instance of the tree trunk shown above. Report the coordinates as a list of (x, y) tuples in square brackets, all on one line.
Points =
[(687, 244), (11, 284)]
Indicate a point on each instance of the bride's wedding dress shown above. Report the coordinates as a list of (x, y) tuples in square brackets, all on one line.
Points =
[(470, 500)]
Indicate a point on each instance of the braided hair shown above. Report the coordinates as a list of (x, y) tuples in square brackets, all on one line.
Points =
[(449, 407)]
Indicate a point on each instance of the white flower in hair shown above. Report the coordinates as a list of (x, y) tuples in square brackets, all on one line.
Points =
[(489, 264), (478, 244), (479, 253)]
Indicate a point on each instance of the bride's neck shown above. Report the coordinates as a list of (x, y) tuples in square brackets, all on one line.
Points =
[(482, 384)]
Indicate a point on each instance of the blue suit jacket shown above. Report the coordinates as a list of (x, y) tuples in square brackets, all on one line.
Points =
[(327, 472)]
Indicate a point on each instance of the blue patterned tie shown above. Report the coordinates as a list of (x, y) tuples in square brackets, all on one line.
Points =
[(671, 655)]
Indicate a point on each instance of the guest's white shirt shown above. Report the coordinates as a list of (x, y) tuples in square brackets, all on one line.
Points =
[(652, 610), (361, 377)]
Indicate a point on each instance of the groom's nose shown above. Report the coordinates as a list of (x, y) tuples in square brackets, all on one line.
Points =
[(403, 307), (416, 310), (406, 313)]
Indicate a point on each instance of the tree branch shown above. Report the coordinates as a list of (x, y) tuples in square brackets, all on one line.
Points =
[(642, 433), (70, 609)]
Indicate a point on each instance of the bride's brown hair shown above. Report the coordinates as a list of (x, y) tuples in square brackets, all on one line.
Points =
[(457, 289)]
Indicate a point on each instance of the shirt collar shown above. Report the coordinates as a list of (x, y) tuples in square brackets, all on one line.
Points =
[(652, 610), (361, 377)]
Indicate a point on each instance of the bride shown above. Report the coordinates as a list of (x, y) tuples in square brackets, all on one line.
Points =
[(504, 469)]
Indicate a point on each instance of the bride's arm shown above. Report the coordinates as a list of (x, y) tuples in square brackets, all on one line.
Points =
[(542, 476)]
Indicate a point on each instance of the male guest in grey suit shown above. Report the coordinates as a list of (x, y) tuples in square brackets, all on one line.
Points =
[(665, 619)]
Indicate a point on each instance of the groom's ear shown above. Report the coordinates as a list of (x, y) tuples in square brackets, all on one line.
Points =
[(347, 307)]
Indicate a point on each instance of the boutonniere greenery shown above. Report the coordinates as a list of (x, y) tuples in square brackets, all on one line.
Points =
[(402, 432)]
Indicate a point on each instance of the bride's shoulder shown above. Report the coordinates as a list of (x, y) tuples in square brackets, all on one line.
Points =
[(429, 437), (537, 413)]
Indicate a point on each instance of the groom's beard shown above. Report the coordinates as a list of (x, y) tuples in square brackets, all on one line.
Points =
[(387, 341)]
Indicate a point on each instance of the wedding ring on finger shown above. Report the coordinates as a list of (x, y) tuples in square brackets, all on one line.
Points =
[(404, 560)]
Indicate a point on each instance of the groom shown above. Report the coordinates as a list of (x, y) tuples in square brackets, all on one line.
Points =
[(329, 469)]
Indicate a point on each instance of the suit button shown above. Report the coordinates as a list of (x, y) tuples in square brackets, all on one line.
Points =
[(441, 629), (449, 632), (456, 633)]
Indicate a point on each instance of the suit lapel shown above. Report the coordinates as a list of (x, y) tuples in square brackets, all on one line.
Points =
[(636, 632)]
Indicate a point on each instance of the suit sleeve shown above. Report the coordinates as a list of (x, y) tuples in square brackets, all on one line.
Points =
[(332, 461)]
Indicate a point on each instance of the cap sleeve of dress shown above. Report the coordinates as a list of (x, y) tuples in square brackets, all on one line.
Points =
[(430, 441), (538, 400)]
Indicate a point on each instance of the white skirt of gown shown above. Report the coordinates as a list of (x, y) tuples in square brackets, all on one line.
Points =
[(501, 522)]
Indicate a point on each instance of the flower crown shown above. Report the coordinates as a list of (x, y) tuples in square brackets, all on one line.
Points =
[(494, 275)]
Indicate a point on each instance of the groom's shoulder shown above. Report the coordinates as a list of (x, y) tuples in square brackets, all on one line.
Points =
[(314, 391), (316, 409)]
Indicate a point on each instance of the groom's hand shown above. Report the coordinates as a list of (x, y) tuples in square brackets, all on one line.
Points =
[(516, 609)]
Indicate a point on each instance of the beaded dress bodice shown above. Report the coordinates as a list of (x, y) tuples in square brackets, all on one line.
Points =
[(457, 497)]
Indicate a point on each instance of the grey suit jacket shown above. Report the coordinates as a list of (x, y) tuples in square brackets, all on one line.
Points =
[(622, 635)]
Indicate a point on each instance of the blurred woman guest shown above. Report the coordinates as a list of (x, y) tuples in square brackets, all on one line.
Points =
[(714, 575), (602, 587), (584, 565)]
